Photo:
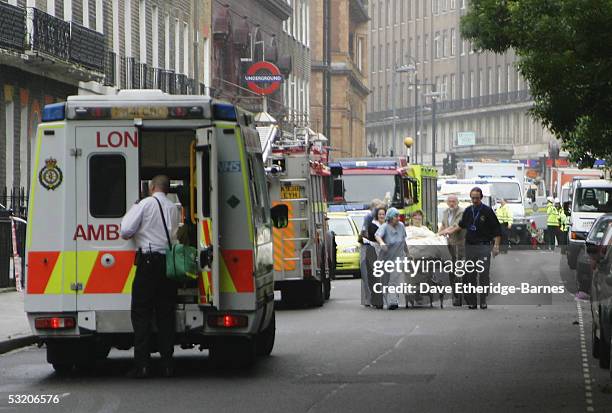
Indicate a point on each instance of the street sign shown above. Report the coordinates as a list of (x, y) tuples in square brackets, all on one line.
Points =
[(263, 78), (466, 138)]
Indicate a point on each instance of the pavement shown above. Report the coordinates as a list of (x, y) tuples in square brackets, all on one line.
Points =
[(14, 328), (523, 354)]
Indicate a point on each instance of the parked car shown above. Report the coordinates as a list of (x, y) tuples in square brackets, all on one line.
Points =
[(598, 246), (347, 250), (584, 263)]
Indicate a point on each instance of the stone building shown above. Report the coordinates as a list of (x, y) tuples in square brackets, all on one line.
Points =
[(339, 79), (481, 100), (50, 49)]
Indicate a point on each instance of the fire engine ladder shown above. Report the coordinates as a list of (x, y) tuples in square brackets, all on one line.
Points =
[(298, 219)]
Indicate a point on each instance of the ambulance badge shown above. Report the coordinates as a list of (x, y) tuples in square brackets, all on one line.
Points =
[(50, 176)]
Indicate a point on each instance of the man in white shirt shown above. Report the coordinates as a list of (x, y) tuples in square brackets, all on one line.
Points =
[(456, 242), (153, 294)]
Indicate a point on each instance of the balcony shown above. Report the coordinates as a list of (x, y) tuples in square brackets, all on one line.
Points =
[(87, 47), (12, 27), (48, 35)]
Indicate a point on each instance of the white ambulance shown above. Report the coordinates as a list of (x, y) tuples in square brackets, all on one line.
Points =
[(93, 154)]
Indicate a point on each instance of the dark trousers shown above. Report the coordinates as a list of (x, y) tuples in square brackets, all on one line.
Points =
[(505, 232), (474, 253), (376, 299), (457, 252), (153, 302), (552, 233)]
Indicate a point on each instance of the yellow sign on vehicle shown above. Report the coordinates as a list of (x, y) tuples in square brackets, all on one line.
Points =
[(290, 192)]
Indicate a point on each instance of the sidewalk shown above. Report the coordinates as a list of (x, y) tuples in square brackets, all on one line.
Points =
[(14, 329)]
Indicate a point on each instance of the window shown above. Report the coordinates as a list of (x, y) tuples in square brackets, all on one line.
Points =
[(167, 42), (425, 47), (99, 16), (445, 44), (490, 76), (437, 45), (452, 4), (107, 186), (417, 46), (452, 86), (155, 35), (380, 14), (499, 79), (142, 23), (453, 40), (435, 6), (463, 4), (186, 48), (472, 84), (387, 13), (463, 86), (444, 87), (10, 135), (508, 78), (85, 13), (177, 46), (127, 27), (463, 47), (480, 83)]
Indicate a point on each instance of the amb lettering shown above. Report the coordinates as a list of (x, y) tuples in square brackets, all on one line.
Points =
[(108, 232), (117, 139)]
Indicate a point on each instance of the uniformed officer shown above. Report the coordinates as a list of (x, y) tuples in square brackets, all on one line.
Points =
[(153, 295), (482, 237), (552, 223), (563, 226), (505, 217)]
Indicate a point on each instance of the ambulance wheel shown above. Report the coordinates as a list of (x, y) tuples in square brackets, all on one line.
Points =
[(233, 352), (265, 339)]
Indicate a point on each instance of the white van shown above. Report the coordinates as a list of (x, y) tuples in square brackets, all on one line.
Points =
[(591, 198)]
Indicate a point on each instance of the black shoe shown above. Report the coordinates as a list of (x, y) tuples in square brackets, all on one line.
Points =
[(472, 307), (457, 302), (393, 307), (483, 306), (139, 373)]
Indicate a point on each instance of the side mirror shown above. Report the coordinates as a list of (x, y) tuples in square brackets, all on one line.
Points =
[(592, 248), (280, 216)]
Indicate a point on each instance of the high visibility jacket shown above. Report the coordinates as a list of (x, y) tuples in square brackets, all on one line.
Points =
[(504, 214), (552, 216), (563, 220)]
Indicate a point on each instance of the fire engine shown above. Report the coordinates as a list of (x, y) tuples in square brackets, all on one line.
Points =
[(406, 186), (303, 252), (92, 156)]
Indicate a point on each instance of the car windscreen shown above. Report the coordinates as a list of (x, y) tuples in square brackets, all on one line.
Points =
[(598, 229), (593, 200), (365, 188), (510, 191), (341, 226)]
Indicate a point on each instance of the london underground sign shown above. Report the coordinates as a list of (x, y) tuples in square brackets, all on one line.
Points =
[(263, 78)]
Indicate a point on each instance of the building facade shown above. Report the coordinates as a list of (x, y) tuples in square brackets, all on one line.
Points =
[(50, 49), (481, 101), (339, 79)]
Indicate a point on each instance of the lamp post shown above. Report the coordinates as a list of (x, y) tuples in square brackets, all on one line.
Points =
[(398, 69)]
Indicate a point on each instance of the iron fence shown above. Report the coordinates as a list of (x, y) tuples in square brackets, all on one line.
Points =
[(13, 202)]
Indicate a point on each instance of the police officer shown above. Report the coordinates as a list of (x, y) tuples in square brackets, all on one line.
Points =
[(505, 218), (153, 295), (482, 237), (552, 223), (563, 226)]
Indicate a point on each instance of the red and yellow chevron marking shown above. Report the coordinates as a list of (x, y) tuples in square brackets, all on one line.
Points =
[(205, 278), (236, 268), (284, 249), (53, 272)]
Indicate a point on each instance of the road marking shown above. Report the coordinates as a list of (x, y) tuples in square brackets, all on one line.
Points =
[(586, 372)]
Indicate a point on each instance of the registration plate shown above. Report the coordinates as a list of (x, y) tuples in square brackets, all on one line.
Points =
[(290, 192)]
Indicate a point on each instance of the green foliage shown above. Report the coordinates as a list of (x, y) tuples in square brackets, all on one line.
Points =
[(564, 50)]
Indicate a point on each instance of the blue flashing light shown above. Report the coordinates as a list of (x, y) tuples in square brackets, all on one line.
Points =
[(336, 208), (483, 181), (54, 112), (224, 111), (451, 181)]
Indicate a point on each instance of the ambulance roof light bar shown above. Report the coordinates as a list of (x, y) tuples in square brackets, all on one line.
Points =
[(54, 112)]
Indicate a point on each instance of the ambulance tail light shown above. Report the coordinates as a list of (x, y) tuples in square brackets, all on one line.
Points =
[(54, 323), (184, 112), (92, 113), (306, 258), (54, 112), (228, 321)]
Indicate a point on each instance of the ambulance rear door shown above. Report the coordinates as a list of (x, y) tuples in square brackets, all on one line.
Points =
[(107, 185)]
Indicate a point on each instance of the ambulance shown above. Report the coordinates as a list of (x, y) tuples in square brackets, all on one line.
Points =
[(298, 177), (92, 156)]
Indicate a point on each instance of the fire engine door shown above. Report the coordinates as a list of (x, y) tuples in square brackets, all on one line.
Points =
[(106, 187), (206, 178)]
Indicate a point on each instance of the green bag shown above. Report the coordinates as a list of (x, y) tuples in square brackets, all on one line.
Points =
[(181, 260)]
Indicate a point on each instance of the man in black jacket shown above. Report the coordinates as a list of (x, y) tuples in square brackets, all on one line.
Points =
[(483, 236)]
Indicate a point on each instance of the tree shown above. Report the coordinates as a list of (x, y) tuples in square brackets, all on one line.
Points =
[(564, 50)]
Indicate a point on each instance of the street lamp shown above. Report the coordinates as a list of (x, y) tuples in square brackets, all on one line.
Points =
[(434, 95), (398, 69)]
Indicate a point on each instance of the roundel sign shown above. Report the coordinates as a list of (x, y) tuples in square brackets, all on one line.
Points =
[(263, 78)]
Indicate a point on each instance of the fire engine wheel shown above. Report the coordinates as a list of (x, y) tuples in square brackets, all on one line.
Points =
[(318, 293), (233, 352), (265, 339)]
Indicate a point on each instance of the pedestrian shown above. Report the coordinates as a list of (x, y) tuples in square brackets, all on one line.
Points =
[(563, 226), (482, 238), (505, 218), (372, 248), (456, 242), (552, 224), (392, 238), (363, 239), (153, 294)]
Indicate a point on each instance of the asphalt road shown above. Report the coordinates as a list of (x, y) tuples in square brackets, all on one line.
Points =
[(523, 354)]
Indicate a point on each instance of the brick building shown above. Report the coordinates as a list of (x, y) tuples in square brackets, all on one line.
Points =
[(339, 79)]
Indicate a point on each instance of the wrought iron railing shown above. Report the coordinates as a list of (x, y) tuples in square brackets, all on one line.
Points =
[(12, 26), (87, 47), (48, 34)]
